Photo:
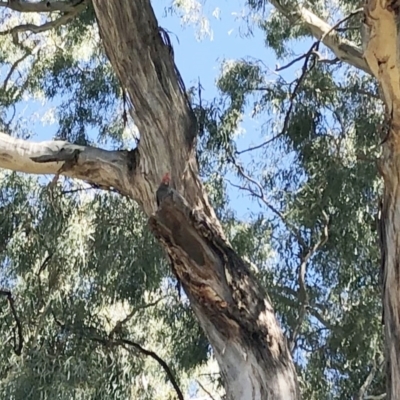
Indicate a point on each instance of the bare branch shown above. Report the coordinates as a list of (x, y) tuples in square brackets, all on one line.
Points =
[(340, 22), (312, 51), (320, 58), (205, 390), (304, 71), (302, 293), (13, 68), (104, 168), (18, 344), (294, 61), (261, 196)]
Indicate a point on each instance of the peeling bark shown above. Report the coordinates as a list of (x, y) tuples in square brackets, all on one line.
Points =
[(233, 309), (382, 55)]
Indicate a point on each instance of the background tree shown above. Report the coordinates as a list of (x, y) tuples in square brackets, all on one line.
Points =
[(87, 292)]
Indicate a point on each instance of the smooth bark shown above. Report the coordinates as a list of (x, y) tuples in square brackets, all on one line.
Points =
[(382, 54)]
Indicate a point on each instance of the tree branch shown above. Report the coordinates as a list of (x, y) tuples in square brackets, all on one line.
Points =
[(97, 336), (261, 196), (304, 71), (205, 390), (159, 360), (107, 169), (13, 68), (343, 49), (42, 6), (302, 292), (65, 18)]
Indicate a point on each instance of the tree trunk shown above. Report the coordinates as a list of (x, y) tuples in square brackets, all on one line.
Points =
[(381, 52), (230, 305)]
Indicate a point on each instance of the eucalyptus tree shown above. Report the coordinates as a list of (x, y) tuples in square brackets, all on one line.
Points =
[(133, 56)]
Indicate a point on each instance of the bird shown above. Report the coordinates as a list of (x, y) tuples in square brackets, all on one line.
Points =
[(164, 189)]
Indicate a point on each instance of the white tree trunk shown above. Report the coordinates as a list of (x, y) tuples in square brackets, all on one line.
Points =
[(382, 55)]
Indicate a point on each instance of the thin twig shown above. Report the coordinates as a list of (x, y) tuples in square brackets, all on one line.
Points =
[(302, 292), (12, 69), (261, 196), (121, 322), (305, 70), (205, 390), (294, 61), (340, 22)]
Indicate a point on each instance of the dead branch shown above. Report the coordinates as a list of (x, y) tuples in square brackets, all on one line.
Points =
[(13, 68), (97, 336), (205, 390), (158, 359)]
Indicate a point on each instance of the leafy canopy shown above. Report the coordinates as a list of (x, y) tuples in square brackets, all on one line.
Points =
[(76, 261)]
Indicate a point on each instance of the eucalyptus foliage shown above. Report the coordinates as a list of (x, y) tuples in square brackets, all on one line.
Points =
[(77, 260)]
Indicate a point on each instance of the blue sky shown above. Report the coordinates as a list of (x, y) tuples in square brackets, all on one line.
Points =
[(201, 58)]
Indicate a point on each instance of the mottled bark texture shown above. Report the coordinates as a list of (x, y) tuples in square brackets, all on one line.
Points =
[(381, 45)]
